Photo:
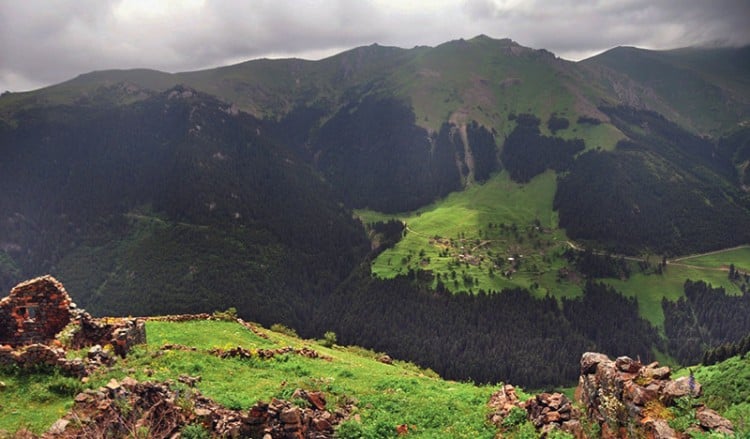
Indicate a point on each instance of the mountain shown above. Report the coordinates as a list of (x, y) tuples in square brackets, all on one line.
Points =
[(704, 89), (175, 202), (528, 192)]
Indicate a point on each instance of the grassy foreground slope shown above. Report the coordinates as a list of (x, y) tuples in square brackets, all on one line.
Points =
[(386, 395), (726, 388)]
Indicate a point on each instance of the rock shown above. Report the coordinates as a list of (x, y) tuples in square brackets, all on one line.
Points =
[(551, 417), (290, 416), (661, 430), (129, 383), (573, 427), (659, 373), (627, 364), (385, 359), (590, 360), (317, 400), (202, 412), (58, 427), (711, 420), (682, 386), (113, 385)]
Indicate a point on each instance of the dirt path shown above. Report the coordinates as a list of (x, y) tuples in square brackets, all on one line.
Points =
[(682, 258)]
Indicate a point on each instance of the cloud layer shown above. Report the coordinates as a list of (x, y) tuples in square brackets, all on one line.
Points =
[(45, 42)]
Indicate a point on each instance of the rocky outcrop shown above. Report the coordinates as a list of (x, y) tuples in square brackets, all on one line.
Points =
[(624, 398), (625, 395), (547, 411), (266, 354), (155, 410)]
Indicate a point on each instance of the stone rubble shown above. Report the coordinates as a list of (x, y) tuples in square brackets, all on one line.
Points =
[(155, 409), (624, 397), (266, 354)]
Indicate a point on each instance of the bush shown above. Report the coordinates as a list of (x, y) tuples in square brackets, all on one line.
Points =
[(282, 329), (516, 417), (329, 339), (195, 431), (65, 386), (229, 315)]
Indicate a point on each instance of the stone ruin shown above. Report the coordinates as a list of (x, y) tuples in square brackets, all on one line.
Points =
[(37, 317), (623, 398), (35, 312)]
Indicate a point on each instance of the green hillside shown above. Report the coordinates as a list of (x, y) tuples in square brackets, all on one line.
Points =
[(706, 90), (386, 395)]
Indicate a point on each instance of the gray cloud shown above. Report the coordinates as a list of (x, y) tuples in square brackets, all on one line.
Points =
[(47, 42)]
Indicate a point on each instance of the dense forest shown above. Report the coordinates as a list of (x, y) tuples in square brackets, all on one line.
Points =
[(485, 337), (527, 153), (188, 208), (374, 155), (666, 191), (705, 318)]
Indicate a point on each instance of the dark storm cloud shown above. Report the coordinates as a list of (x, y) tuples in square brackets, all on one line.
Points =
[(43, 42)]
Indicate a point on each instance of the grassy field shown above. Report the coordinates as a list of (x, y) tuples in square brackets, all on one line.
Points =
[(650, 289), (480, 233), (461, 240), (386, 395), (740, 257)]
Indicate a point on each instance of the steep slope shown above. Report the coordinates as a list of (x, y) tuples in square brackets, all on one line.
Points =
[(665, 190), (704, 89), (173, 203)]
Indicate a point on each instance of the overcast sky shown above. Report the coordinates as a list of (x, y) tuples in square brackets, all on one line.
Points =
[(46, 42)]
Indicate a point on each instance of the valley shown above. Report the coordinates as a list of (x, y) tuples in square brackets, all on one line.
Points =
[(473, 207)]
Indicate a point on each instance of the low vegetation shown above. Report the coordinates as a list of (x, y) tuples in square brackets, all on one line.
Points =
[(387, 395)]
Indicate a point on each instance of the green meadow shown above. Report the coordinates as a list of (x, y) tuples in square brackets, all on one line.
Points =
[(386, 396), (467, 241)]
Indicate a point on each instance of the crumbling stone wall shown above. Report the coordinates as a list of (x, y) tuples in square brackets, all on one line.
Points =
[(121, 333), (35, 312)]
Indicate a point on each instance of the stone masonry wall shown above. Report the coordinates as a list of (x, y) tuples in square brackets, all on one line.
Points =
[(34, 312)]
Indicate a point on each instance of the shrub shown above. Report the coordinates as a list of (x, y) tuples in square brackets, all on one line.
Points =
[(329, 339), (283, 329), (229, 315), (516, 417), (65, 386), (194, 431)]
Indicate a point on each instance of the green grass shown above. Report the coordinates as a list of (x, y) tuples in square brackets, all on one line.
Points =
[(649, 289), (386, 395), (468, 223), (32, 401), (740, 257), (726, 389)]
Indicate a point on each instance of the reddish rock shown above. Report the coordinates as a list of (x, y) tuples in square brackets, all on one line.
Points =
[(682, 386), (627, 364), (590, 360), (711, 420)]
